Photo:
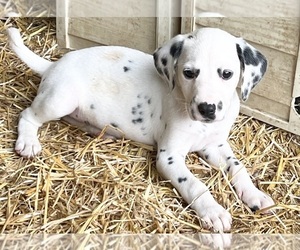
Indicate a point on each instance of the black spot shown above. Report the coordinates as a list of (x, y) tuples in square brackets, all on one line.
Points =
[(130, 61), (180, 180), (141, 113), (139, 120), (155, 57), (263, 67), (114, 125), (254, 58), (86, 123), (162, 150), (139, 96), (92, 106), (221, 145), (228, 169), (206, 157), (219, 70), (160, 117), (245, 93), (240, 55), (228, 158), (35, 114), (164, 61), (126, 69), (190, 37), (249, 57), (151, 115), (297, 104), (133, 110), (176, 49), (166, 72), (159, 70), (166, 125), (255, 80), (220, 105), (149, 101), (236, 163), (170, 158), (139, 106), (193, 114), (254, 208), (173, 83), (170, 162), (203, 150)]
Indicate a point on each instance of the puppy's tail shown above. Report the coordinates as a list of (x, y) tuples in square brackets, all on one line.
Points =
[(35, 62)]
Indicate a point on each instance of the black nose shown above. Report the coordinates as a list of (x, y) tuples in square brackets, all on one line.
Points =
[(207, 110)]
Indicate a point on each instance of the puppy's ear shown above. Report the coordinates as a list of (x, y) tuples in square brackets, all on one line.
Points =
[(166, 57), (253, 66)]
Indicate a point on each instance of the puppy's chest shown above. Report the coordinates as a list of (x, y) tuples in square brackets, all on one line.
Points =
[(205, 134)]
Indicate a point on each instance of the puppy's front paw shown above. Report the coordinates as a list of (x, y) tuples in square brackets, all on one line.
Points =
[(28, 147), (216, 241), (255, 199), (216, 218)]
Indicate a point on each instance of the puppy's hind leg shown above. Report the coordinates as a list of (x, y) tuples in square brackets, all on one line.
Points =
[(90, 129), (45, 107)]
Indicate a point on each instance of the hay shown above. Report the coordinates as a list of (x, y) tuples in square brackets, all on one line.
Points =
[(83, 184), (29, 8)]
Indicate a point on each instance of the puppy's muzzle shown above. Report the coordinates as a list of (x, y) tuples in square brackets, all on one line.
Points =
[(207, 111)]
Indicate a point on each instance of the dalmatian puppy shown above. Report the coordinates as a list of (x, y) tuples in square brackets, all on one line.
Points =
[(185, 101)]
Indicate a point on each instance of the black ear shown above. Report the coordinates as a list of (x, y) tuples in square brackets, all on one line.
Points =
[(253, 65), (165, 58)]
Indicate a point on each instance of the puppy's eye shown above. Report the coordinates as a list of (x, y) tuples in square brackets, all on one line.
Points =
[(191, 73), (225, 74)]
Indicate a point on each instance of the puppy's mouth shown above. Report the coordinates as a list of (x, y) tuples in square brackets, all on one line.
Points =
[(206, 120), (196, 116)]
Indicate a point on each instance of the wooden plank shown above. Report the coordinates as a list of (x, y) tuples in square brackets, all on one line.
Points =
[(270, 107), (167, 21), (115, 8), (62, 23), (163, 21), (76, 42), (131, 32), (254, 8), (265, 117), (278, 33), (188, 13)]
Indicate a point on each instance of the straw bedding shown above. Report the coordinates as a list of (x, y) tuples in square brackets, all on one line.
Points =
[(93, 185)]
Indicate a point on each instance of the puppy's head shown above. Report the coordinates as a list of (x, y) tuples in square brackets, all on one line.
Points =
[(206, 66)]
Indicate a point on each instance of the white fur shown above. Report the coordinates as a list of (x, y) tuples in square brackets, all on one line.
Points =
[(99, 86)]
